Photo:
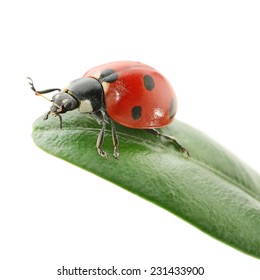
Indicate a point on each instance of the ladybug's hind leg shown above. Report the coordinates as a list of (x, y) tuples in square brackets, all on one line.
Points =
[(171, 138)]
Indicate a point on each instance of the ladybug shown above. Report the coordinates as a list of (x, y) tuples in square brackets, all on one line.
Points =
[(130, 93)]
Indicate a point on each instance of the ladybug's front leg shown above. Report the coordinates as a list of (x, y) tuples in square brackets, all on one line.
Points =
[(102, 118), (40, 92), (100, 140)]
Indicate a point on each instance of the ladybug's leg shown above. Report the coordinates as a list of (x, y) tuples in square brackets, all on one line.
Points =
[(115, 140), (46, 116), (99, 117), (171, 138), (100, 140)]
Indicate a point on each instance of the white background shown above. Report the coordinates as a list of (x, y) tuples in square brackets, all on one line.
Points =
[(53, 213)]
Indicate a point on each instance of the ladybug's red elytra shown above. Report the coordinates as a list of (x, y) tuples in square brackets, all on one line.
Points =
[(130, 93)]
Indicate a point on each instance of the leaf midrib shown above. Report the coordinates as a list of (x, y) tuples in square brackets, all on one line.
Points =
[(139, 140)]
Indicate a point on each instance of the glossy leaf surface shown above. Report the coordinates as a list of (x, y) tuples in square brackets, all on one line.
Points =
[(212, 190)]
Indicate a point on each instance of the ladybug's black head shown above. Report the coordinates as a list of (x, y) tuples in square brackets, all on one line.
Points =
[(85, 93), (63, 102)]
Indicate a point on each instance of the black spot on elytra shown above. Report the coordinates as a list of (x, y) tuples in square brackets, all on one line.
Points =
[(171, 109), (108, 75), (148, 82), (136, 112)]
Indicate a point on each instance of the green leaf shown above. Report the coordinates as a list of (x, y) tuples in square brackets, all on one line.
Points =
[(212, 189)]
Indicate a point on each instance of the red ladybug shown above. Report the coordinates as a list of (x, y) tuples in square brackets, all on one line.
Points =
[(130, 93)]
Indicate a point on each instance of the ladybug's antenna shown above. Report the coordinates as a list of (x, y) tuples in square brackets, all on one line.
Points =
[(31, 84), (33, 89), (40, 93)]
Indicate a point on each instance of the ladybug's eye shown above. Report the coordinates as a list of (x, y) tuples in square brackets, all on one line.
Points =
[(68, 105), (68, 102)]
